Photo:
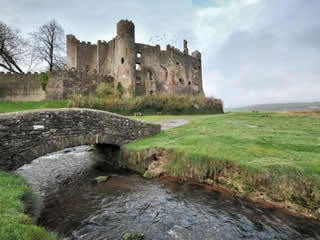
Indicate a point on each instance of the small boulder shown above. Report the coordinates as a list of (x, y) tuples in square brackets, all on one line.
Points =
[(147, 174), (133, 236), (100, 179), (209, 181)]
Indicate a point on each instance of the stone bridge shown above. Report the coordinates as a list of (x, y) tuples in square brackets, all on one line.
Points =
[(27, 135)]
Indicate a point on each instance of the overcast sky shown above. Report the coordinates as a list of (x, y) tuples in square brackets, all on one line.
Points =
[(253, 51)]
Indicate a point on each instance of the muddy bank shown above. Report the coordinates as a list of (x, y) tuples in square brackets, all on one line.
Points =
[(290, 193)]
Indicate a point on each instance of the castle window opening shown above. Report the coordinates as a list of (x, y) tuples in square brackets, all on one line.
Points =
[(151, 92), (181, 81), (138, 66), (177, 63), (150, 75), (189, 83), (139, 55), (122, 60)]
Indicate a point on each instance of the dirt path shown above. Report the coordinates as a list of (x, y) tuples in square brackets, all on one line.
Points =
[(171, 123)]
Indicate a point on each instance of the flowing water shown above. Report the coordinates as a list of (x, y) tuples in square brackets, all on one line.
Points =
[(162, 209)]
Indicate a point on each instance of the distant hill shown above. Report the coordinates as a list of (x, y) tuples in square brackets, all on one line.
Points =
[(279, 107)]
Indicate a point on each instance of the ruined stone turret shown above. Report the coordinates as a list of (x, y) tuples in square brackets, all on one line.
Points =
[(185, 47), (125, 58), (126, 28)]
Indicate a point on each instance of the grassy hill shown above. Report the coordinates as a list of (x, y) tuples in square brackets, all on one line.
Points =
[(279, 107)]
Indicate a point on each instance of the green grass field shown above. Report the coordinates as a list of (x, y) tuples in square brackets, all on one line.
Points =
[(14, 223), (274, 153), (254, 140), (8, 106)]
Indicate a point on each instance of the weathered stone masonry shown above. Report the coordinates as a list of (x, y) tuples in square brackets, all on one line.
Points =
[(25, 136), (141, 69), (63, 84), (20, 87)]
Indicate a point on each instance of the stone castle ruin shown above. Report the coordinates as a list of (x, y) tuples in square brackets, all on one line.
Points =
[(141, 69), (138, 68)]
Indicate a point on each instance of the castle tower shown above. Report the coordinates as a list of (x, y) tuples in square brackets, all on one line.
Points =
[(125, 57), (72, 43)]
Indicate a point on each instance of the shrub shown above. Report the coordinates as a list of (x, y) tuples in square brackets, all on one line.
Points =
[(104, 90), (163, 104), (120, 89), (44, 78)]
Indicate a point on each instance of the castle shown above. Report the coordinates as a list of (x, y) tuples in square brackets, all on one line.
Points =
[(141, 69)]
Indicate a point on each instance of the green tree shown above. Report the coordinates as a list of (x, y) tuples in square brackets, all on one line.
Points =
[(44, 78)]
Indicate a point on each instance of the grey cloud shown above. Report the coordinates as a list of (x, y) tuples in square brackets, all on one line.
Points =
[(91, 20), (277, 61)]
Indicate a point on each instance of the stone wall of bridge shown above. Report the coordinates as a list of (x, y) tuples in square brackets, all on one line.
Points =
[(25, 136)]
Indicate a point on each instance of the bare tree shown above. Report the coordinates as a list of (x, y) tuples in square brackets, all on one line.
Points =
[(12, 48), (49, 41), (32, 59)]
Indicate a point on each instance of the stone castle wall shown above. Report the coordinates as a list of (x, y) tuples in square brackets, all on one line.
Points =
[(81, 55), (20, 87), (141, 69), (63, 84), (170, 71)]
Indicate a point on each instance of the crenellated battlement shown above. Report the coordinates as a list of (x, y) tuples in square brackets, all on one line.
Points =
[(18, 74), (126, 28), (125, 21), (102, 42), (87, 44), (173, 49)]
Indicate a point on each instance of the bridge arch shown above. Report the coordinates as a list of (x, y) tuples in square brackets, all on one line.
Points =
[(25, 136)]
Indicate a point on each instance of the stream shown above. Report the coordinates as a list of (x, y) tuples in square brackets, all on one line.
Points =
[(161, 209)]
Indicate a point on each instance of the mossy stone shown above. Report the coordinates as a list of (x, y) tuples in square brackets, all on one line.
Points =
[(133, 236)]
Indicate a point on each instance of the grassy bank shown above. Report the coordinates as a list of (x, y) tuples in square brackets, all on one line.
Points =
[(273, 154), (14, 223), (7, 106)]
